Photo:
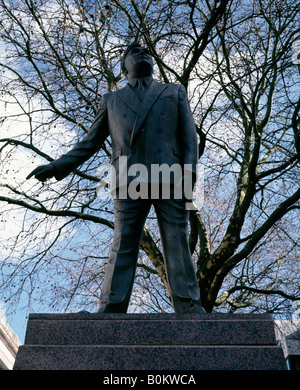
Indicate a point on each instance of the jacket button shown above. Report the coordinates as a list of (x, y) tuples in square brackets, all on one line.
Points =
[(159, 150), (159, 130)]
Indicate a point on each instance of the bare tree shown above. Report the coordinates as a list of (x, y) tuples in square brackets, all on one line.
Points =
[(257, 88), (235, 60)]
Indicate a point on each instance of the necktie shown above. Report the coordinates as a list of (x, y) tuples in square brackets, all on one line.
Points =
[(140, 89)]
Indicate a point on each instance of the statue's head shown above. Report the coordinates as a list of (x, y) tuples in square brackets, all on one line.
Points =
[(137, 61)]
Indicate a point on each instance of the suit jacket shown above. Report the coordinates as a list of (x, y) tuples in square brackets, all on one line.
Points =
[(159, 129)]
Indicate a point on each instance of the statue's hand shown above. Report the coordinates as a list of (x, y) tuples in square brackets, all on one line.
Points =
[(43, 172)]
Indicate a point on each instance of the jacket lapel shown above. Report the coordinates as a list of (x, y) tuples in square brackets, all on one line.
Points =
[(128, 97), (152, 94)]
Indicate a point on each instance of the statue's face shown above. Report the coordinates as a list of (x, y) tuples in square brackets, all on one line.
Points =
[(138, 62)]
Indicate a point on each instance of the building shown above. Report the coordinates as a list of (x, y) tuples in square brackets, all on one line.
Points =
[(9, 344), (288, 334)]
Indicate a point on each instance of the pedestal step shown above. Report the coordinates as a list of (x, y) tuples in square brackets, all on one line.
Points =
[(149, 341)]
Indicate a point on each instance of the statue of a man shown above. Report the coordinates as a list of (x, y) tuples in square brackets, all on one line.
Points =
[(149, 124)]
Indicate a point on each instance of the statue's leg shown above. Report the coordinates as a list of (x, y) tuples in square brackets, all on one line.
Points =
[(130, 216), (181, 274)]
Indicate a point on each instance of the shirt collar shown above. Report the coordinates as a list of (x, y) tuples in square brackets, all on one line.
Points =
[(146, 80)]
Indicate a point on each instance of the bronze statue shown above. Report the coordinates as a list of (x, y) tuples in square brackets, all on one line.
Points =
[(150, 124)]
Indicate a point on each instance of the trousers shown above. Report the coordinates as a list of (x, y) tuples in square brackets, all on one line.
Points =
[(130, 216)]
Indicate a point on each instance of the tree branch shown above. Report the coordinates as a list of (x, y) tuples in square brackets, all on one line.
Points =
[(225, 295), (228, 265), (57, 213)]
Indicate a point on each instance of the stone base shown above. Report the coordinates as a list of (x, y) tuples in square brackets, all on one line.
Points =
[(150, 342)]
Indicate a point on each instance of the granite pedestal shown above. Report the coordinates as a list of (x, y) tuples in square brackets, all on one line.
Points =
[(150, 342)]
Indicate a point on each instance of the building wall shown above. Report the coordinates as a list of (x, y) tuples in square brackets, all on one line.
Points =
[(9, 344), (288, 334)]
